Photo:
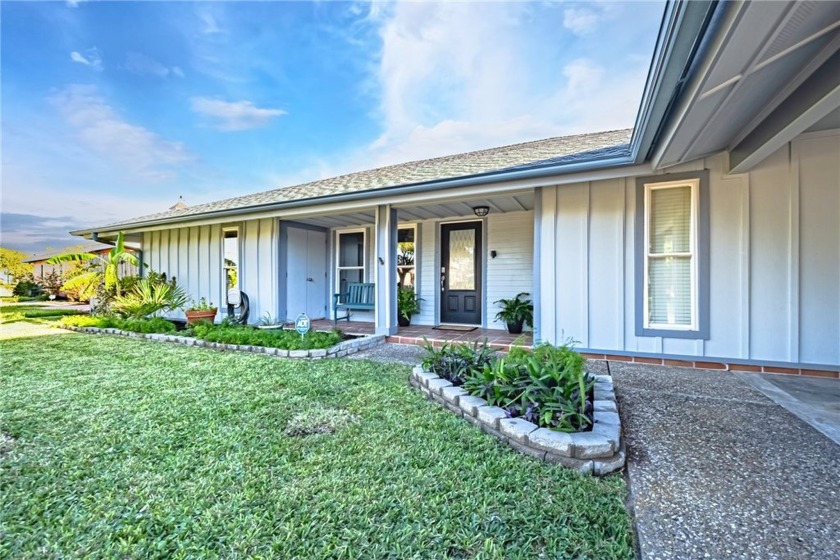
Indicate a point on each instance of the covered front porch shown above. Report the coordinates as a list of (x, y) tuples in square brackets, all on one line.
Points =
[(459, 253), (419, 334)]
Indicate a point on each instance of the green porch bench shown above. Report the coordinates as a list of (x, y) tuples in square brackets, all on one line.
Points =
[(357, 297)]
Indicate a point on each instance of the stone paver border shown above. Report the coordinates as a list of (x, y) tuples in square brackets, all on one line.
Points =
[(599, 452), (343, 348)]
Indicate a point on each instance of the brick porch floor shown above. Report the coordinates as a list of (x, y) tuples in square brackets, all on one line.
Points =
[(414, 334)]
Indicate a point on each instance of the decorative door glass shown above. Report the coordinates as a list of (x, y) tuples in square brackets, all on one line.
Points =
[(461, 272)]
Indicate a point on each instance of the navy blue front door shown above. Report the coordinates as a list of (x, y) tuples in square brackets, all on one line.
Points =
[(460, 273)]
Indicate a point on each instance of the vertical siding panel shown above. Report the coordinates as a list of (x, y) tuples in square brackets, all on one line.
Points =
[(214, 264), (184, 255), (819, 276), (146, 247), (164, 252), (266, 267), (793, 254), (724, 263), (159, 251), (606, 277), (572, 202), (512, 237), (173, 253), (770, 258), (195, 271), (586, 263), (151, 251), (250, 231), (630, 341), (203, 283), (428, 280), (620, 245), (744, 335)]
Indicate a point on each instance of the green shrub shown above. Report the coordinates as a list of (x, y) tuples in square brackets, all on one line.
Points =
[(41, 297), (85, 321), (148, 326), (455, 362), (12, 317), (41, 313), (274, 338), (27, 287), (149, 296), (547, 386)]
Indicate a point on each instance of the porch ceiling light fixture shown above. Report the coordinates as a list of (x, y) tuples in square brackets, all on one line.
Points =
[(481, 211)]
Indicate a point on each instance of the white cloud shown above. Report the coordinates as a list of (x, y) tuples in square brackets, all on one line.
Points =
[(584, 76), (463, 72), (143, 65), (90, 58), (476, 83), (74, 3), (580, 21), (234, 115), (102, 130)]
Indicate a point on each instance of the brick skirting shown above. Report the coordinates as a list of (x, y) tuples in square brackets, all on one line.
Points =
[(706, 364)]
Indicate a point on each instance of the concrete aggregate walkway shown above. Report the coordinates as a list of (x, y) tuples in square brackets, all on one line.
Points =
[(718, 470)]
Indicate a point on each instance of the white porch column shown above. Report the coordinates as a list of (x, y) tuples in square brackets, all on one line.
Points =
[(545, 265), (386, 269)]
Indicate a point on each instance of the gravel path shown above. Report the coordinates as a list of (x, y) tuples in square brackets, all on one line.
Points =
[(718, 470)]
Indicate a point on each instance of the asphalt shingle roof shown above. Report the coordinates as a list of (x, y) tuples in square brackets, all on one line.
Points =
[(551, 151), (88, 248)]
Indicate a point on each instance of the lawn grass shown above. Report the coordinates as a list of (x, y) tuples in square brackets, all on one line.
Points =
[(36, 312), (125, 448)]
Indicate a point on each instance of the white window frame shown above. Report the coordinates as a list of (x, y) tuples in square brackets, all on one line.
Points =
[(694, 184), (338, 268), (416, 252), (238, 267)]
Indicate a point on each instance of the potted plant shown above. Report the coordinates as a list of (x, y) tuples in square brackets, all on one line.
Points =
[(201, 311), (516, 312), (407, 305)]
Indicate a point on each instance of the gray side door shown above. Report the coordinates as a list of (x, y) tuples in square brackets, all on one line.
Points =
[(306, 270), (316, 274)]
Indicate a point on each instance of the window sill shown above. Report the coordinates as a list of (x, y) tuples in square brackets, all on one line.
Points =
[(697, 334)]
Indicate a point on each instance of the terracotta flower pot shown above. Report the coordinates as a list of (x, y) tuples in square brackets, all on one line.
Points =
[(196, 316)]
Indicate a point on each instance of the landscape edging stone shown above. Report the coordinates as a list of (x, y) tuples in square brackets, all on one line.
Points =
[(343, 348), (599, 451)]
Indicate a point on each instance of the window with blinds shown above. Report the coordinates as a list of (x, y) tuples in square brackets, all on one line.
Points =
[(671, 261)]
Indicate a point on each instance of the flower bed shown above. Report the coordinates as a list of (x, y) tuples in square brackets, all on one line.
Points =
[(315, 344), (541, 402)]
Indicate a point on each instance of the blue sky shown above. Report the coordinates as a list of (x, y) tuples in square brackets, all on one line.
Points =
[(112, 110)]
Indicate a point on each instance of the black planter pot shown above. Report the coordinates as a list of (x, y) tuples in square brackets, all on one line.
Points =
[(515, 328), (403, 321)]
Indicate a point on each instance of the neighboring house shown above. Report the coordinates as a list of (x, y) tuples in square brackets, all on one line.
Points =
[(41, 268), (708, 233)]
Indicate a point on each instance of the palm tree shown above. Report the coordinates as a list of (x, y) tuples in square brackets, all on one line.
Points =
[(106, 269)]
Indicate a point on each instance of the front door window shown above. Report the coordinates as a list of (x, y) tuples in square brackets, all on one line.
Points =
[(460, 273)]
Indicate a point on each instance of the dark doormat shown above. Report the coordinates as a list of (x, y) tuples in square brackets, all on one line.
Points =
[(459, 328)]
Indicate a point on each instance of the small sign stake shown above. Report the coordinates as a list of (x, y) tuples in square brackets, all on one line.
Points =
[(302, 324)]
